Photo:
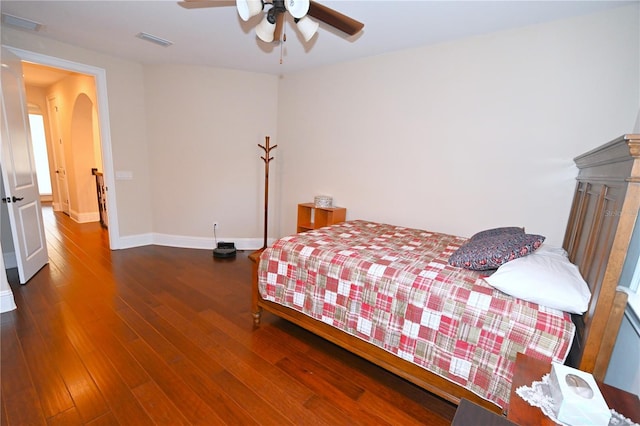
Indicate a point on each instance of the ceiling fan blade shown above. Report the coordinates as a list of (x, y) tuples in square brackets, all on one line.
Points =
[(334, 18), (197, 4)]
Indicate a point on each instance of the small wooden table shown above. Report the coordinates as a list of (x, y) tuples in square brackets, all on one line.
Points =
[(528, 370)]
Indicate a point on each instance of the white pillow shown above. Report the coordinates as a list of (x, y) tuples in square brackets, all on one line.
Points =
[(545, 277)]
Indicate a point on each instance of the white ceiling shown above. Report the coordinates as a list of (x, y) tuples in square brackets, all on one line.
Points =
[(217, 37)]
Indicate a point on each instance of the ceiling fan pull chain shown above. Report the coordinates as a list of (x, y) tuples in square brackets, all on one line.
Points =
[(284, 38)]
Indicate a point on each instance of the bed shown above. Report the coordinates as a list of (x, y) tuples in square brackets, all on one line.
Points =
[(390, 295)]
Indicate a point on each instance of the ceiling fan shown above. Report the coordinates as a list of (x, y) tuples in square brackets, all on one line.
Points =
[(270, 28)]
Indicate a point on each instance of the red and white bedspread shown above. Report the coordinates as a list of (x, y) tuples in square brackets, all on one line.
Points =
[(392, 287)]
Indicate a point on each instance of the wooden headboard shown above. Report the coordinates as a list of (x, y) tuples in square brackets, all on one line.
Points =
[(603, 214)]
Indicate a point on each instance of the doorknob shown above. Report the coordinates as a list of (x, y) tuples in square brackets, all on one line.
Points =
[(12, 199)]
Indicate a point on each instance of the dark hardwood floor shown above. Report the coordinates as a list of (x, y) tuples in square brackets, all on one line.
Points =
[(160, 335)]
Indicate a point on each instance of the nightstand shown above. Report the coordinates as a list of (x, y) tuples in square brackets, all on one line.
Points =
[(312, 217), (528, 370)]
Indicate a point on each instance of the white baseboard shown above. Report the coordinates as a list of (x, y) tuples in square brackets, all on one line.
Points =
[(135, 241), (204, 243), (187, 242), (6, 301), (85, 217)]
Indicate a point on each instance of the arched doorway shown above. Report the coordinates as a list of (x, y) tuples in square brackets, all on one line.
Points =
[(83, 155)]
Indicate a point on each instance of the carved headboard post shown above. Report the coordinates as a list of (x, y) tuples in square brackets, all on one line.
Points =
[(601, 222)]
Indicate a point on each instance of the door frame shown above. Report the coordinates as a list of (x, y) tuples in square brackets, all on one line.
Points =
[(105, 127)]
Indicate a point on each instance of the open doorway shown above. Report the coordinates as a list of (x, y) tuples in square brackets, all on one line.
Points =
[(66, 101), (99, 129)]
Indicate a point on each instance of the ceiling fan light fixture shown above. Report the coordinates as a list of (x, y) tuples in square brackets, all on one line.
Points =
[(265, 29), (248, 8), (307, 27), (297, 8)]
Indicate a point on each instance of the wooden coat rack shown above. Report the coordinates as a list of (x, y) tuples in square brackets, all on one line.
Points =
[(267, 159)]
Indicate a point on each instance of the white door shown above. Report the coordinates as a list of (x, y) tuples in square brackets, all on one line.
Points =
[(62, 185), (19, 172)]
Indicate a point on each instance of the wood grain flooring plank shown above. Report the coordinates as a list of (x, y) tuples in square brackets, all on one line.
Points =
[(212, 393), (327, 386), (20, 399), (23, 408), (106, 419), (168, 363), (50, 387), (16, 376), (263, 383), (145, 331), (192, 364), (272, 346), (158, 406), (86, 395), (185, 311), (71, 417), (20, 319), (252, 404), (194, 367), (188, 402), (123, 404), (123, 362), (3, 411), (331, 415), (367, 374), (396, 414)]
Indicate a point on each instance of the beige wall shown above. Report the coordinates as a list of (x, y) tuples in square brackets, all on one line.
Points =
[(454, 137), (204, 128), (462, 136)]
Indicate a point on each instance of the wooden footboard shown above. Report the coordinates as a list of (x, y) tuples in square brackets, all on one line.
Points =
[(411, 372)]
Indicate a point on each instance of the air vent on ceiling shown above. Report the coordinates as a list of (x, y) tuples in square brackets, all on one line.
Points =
[(153, 39), (22, 23)]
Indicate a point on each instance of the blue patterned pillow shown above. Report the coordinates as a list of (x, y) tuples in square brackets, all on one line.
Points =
[(505, 230), (490, 252)]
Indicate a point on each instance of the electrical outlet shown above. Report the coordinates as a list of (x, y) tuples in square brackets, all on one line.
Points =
[(215, 225)]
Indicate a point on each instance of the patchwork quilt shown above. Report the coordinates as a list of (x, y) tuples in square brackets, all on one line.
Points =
[(393, 287)]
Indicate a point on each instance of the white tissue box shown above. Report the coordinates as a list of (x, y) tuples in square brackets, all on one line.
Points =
[(576, 397), (323, 201)]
